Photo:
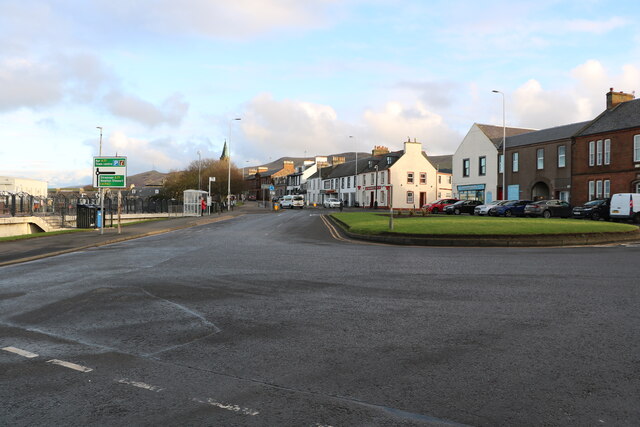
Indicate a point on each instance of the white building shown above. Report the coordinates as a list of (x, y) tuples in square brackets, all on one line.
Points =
[(32, 187), (477, 163)]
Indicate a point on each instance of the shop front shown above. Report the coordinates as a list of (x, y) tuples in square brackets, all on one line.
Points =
[(472, 192)]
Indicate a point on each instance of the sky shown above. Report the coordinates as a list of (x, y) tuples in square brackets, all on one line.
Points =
[(166, 79)]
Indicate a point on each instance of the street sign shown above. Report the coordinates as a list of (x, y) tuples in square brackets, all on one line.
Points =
[(110, 172), (271, 188)]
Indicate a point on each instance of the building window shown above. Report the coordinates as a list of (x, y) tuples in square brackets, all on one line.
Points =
[(500, 163), (592, 189), (515, 166), (482, 166), (607, 188), (423, 177), (636, 148), (341, 182), (599, 152), (439, 179), (449, 179), (607, 151), (562, 156), (382, 178), (599, 189), (466, 166), (410, 178), (348, 182), (364, 179), (540, 158), (409, 197), (389, 160), (592, 153)]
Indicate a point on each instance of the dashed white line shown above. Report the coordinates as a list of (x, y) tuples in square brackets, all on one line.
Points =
[(23, 353), (228, 407), (141, 385), (70, 365)]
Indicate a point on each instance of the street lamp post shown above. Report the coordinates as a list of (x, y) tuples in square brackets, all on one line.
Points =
[(199, 163), (504, 149), (101, 189), (355, 178), (375, 205), (229, 160)]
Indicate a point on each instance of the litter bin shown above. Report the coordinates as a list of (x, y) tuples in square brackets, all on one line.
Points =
[(88, 216)]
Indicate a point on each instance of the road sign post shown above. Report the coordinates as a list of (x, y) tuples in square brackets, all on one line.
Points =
[(108, 172)]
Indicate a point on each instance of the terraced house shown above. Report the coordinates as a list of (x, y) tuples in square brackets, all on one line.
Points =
[(606, 153)]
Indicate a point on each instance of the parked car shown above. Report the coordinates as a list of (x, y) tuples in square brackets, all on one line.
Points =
[(251, 197), (439, 205), (510, 208), (595, 209), (491, 211), (286, 202), (548, 208), (463, 206), (331, 203), (625, 206), (298, 201), (484, 208)]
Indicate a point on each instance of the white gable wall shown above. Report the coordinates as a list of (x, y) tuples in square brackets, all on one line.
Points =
[(475, 145)]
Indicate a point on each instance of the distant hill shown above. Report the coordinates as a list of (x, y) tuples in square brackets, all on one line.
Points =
[(146, 179)]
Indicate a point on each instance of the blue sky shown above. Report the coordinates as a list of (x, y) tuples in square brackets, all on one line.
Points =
[(164, 78)]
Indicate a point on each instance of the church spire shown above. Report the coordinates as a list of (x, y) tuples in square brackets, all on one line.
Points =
[(225, 151)]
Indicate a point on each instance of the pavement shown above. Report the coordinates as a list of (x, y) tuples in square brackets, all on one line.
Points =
[(18, 251)]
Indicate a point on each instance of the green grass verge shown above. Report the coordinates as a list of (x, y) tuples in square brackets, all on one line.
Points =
[(377, 223), (75, 230), (35, 235)]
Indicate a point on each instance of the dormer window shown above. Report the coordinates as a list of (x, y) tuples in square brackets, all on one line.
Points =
[(389, 160), (370, 163)]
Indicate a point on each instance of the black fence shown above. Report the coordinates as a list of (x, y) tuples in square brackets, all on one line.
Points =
[(63, 206)]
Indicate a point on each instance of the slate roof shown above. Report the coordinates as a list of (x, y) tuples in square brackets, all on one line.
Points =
[(623, 116), (494, 133), (545, 135), (443, 163)]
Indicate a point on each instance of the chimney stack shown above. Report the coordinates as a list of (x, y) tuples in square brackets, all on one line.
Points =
[(615, 98), (379, 150)]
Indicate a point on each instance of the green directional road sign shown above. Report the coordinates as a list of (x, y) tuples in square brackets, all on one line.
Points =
[(110, 172)]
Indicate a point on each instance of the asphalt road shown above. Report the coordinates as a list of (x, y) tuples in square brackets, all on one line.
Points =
[(270, 320)]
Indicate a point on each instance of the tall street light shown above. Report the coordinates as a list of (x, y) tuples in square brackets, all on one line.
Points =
[(199, 163), (229, 160), (355, 178), (101, 189), (504, 150)]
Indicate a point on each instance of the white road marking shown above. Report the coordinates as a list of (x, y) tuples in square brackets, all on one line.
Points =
[(141, 385), (23, 353), (228, 407), (70, 365)]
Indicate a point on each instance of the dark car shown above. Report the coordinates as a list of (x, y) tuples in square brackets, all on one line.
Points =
[(439, 205), (463, 206), (548, 208), (594, 209), (510, 208)]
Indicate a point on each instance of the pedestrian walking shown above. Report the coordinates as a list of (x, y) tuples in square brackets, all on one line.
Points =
[(203, 205)]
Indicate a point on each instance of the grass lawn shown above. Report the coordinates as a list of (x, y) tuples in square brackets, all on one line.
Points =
[(376, 223), (75, 230)]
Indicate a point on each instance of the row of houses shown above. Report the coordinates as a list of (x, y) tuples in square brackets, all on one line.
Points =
[(576, 162), (404, 179)]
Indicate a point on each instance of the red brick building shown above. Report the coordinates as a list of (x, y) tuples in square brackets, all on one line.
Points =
[(606, 153)]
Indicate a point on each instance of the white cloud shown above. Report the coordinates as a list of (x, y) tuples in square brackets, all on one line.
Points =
[(171, 112), (582, 99), (43, 82), (397, 122), (240, 18), (290, 127), (595, 27)]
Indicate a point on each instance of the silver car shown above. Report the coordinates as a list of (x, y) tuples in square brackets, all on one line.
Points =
[(484, 209), (331, 203)]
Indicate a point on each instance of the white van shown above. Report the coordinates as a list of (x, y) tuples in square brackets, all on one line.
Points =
[(298, 201), (625, 206), (286, 202)]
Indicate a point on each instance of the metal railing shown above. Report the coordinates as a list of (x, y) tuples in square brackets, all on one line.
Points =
[(65, 205)]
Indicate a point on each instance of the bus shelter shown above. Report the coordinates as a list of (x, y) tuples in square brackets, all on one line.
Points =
[(193, 202)]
